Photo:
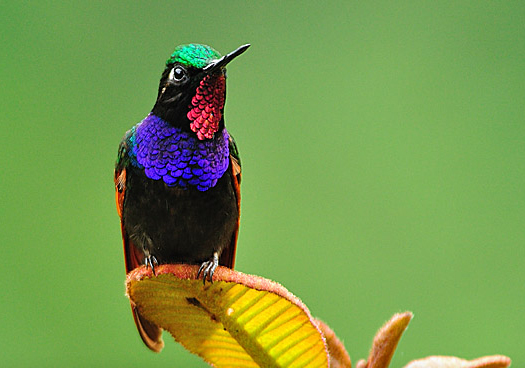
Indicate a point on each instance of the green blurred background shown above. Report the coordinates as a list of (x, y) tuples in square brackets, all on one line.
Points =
[(383, 157)]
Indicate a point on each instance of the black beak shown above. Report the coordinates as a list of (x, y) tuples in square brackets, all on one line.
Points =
[(220, 63)]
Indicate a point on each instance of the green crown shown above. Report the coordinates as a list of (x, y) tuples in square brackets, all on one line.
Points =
[(195, 55)]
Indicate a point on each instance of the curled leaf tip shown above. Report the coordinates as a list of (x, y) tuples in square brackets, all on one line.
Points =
[(386, 340), (493, 361)]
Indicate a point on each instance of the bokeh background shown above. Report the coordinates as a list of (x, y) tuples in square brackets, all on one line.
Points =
[(383, 157)]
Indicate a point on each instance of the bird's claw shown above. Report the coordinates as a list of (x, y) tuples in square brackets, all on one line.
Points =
[(208, 268), (151, 261)]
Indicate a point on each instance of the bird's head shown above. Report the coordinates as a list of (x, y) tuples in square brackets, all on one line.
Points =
[(192, 89)]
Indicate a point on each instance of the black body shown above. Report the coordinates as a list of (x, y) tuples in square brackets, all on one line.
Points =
[(177, 225)]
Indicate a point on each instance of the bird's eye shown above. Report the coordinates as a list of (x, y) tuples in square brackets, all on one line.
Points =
[(178, 74)]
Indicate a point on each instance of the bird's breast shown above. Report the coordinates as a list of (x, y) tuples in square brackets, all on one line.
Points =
[(178, 158)]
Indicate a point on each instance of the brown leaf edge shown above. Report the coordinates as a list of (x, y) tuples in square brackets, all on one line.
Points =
[(189, 272), (339, 357), (493, 361)]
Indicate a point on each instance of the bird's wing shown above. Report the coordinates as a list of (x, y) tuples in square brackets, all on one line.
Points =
[(227, 257), (149, 332)]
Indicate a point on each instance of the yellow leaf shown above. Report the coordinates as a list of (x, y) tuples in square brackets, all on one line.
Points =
[(238, 320)]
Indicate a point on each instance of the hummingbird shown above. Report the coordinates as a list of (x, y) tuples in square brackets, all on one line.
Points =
[(178, 172)]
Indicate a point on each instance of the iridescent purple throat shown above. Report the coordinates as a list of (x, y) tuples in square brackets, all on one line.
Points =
[(177, 157)]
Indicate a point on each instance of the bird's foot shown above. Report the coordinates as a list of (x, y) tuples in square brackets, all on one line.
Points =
[(208, 268), (151, 261)]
